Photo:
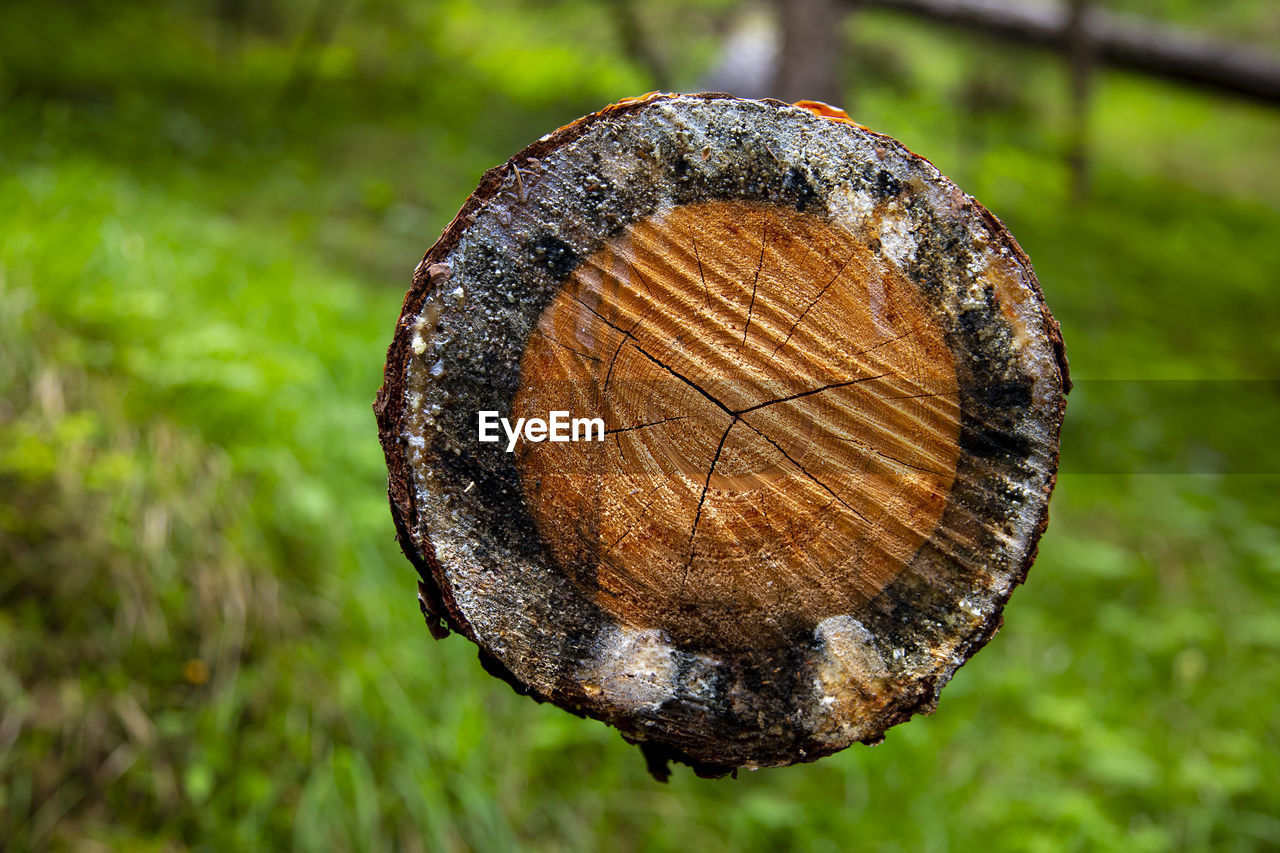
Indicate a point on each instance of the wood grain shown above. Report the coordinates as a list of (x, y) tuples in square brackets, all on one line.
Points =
[(783, 414)]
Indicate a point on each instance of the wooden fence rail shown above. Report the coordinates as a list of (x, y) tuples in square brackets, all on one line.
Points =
[(1121, 42)]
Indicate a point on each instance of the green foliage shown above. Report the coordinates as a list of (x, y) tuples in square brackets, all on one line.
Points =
[(208, 638)]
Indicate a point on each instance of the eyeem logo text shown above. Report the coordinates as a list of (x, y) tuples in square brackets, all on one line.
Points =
[(558, 427)]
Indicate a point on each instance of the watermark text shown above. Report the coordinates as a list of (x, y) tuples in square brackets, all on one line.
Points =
[(558, 426)]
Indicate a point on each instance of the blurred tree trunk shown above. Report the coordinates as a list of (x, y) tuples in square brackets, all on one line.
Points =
[(232, 16), (637, 45), (321, 26), (1081, 57), (807, 67)]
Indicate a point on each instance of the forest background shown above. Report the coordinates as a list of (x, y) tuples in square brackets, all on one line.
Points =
[(209, 214)]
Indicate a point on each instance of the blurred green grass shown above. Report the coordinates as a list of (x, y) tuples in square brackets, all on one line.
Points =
[(208, 637)]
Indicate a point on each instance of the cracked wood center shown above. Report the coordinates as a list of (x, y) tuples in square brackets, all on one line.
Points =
[(781, 418)]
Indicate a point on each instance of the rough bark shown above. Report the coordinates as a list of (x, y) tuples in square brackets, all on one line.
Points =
[(831, 397)]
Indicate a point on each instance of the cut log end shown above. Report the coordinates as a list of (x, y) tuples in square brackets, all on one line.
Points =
[(795, 403)]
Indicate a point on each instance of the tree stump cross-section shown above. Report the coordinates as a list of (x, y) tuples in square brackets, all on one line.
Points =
[(815, 399)]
